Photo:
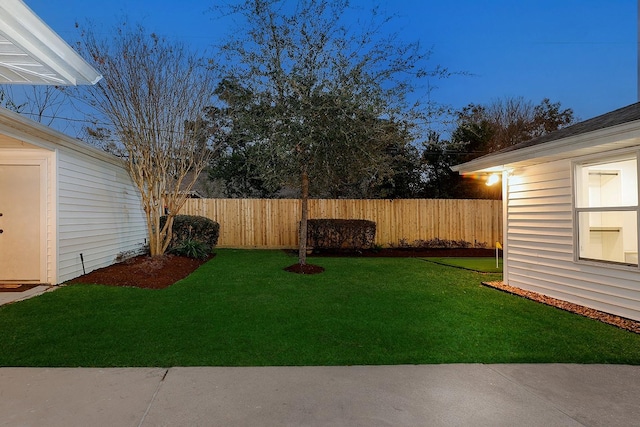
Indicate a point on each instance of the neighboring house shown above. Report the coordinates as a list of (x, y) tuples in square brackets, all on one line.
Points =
[(571, 212), (65, 207)]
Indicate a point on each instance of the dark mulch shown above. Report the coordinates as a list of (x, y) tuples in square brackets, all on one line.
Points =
[(304, 269), (144, 272)]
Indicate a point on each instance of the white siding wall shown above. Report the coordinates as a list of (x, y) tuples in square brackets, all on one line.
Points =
[(99, 214), (540, 242)]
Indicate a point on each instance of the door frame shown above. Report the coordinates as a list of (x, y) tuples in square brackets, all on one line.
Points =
[(35, 158)]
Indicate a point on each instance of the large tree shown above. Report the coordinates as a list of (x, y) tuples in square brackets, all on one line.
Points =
[(505, 122), (151, 103), (483, 129), (246, 167), (323, 99)]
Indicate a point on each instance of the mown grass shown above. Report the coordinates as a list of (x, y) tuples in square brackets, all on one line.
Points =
[(481, 264), (243, 309)]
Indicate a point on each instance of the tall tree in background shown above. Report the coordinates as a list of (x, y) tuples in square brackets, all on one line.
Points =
[(243, 163), (153, 97), (41, 103), (506, 122), (406, 173), (7, 100), (440, 182), (322, 99), (483, 129)]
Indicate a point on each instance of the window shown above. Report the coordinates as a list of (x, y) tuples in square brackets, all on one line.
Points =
[(606, 210)]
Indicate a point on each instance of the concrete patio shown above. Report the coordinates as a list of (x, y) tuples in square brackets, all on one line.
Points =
[(410, 395)]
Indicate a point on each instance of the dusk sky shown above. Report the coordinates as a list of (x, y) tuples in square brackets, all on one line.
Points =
[(582, 53)]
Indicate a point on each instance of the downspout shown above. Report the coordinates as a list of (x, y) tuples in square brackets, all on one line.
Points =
[(505, 211)]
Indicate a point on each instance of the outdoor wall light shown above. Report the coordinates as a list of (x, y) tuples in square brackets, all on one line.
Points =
[(493, 178)]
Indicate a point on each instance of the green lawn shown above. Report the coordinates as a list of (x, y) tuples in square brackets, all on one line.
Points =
[(482, 265), (242, 309)]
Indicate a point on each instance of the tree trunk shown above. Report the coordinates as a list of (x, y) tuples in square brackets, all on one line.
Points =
[(302, 238), (159, 237), (155, 235)]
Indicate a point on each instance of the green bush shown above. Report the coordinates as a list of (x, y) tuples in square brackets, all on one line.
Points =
[(192, 248), (341, 234), (188, 229)]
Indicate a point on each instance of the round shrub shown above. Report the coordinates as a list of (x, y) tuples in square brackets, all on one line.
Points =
[(190, 228)]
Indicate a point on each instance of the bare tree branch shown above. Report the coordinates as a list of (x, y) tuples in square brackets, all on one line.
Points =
[(154, 94)]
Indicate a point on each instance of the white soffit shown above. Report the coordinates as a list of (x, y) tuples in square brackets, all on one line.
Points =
[(32, 53)]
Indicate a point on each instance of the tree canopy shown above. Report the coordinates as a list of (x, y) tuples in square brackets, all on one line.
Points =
[(506, 122), (481, 130)]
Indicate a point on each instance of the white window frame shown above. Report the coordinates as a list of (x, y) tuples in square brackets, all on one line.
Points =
[(575, 181)]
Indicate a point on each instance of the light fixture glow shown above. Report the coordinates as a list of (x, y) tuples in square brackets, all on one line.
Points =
[(493, 178)]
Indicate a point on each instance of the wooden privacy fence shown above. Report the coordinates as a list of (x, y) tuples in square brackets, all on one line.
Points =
[(273, 223)]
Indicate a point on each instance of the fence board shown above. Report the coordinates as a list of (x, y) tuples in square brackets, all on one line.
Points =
[(273, 223)]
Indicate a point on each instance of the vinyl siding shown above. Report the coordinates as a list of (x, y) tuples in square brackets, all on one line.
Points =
[(99, 214), (540, 253)]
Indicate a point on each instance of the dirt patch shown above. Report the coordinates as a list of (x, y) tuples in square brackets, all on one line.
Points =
[(620, 322), (143, 272)]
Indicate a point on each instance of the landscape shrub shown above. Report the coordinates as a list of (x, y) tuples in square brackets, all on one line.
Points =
[(192, 248), (189, 230), (341, 234)]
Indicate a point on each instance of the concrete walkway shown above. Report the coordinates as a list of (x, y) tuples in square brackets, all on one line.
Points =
[(414, 395), (9, 297)]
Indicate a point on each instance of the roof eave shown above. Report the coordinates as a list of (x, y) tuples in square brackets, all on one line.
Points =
[(26, 31), (620, 136)]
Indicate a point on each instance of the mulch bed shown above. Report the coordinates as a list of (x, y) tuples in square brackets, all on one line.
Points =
[(620, 322), (144, 272), (304, 269)]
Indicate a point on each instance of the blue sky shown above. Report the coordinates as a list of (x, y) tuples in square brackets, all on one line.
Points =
[(582, 53)]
